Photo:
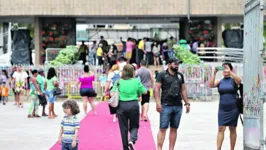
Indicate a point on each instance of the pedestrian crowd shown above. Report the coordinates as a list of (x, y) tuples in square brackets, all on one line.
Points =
[(135, 82)]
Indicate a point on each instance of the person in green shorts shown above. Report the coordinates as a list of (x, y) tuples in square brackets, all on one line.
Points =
[(34, 92)]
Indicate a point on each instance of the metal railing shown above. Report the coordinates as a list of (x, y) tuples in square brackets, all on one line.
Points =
[(221, 54)]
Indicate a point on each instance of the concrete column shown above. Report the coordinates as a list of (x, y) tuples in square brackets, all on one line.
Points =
[(219, 31), (1, 40), (6, 34), (9, 38), (37, 41)]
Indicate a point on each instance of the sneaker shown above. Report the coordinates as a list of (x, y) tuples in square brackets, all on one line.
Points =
[(131, 145)]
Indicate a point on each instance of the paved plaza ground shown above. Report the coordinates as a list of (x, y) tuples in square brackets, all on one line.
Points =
[(197, 131)]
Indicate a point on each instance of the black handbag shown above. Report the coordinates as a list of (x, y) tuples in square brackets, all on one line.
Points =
[(57, 91), (240, 102), (42, 99)]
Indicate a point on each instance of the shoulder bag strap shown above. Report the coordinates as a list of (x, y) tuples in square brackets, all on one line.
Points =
[(118, 83)]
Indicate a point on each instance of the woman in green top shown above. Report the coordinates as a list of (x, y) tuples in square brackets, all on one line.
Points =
[(50, 84), (130, 89)]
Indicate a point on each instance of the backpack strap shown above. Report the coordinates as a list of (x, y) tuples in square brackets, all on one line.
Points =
[(117, 73)]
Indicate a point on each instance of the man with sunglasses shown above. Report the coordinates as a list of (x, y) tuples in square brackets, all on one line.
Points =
[(169, 103)]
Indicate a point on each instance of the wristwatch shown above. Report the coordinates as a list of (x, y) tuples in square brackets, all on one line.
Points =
[(187, 104)]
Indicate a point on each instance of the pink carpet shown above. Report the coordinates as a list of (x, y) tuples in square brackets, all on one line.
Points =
[(101, 133)]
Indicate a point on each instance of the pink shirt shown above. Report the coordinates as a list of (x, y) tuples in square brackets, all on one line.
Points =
[(86, 82), (129, 46)]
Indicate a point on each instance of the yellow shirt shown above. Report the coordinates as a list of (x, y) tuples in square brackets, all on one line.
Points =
[(141, 45), (99, 51)]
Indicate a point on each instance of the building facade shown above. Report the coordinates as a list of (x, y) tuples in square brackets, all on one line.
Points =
[(44, 14), (121, 8)]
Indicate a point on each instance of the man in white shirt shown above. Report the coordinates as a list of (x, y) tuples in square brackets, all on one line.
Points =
[(122, 61), (20, 82)]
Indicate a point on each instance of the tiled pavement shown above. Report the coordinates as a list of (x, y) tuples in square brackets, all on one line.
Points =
[(197, 131)]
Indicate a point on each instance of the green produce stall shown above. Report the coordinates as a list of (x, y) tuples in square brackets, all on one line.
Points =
[(186, 56), (66, 56)]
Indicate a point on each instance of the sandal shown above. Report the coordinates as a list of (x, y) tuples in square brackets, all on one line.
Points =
[(30, 116), (145, 118)]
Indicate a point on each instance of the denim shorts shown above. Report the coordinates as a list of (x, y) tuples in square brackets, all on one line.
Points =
[(3, 98), (68, 146), (170, 115), (50, 95), (89, 92)]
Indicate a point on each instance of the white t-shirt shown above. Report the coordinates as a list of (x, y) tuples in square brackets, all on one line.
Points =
[(121, 65), (20, 76), (111, 75)]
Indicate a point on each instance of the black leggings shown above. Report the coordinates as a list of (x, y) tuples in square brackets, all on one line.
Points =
[(128, 117)]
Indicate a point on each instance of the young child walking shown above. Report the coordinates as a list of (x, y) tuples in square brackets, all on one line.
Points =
[(4, 93), (68, 135)]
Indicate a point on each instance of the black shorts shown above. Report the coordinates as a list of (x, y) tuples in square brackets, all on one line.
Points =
[(100, 60), (145, 98), (89, 92)]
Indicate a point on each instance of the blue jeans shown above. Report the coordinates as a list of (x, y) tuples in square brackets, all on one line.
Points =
[(172, 115), (92, 58), (68, 146), (171, 53)]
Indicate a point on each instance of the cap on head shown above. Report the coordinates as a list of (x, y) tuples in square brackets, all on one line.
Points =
[(40, 71), (173, 60)]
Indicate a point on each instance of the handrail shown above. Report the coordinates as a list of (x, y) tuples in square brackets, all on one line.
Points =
[(221, 54)]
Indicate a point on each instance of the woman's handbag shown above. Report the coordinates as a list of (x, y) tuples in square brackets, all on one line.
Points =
[(114, 100), (42, 99), (57, 91)]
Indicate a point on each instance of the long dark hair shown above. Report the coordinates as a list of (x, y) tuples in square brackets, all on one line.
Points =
[(86, 68), (5, 73), (51, 73)]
